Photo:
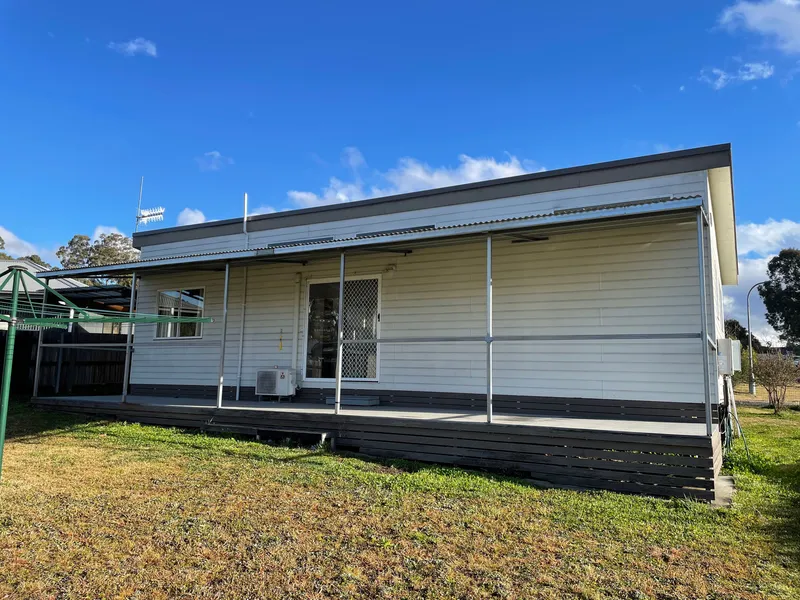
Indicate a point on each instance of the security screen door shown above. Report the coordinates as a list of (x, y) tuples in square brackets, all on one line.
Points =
[(361, 321)]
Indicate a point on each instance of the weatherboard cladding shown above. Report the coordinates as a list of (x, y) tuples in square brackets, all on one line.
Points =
[(645, 167), (633, 278)]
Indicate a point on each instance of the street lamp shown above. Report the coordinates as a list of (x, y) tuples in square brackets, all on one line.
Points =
[(750, 339)]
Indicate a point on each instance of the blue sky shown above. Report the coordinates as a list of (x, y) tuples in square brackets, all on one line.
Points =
[(305, 102)]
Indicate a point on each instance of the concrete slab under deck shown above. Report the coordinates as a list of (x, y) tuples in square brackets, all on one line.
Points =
[(427, 414)]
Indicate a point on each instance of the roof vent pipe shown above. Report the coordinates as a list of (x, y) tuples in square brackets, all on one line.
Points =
[(244, 225)]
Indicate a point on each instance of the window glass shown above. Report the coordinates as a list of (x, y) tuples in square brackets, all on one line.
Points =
[(180, 303)]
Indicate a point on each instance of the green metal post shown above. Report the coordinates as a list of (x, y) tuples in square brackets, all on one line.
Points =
[(8, 363)]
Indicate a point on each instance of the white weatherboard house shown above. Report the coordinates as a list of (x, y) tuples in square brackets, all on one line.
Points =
[(547, 323)]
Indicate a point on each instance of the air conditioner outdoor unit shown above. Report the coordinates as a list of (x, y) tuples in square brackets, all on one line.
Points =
[(276, 381)]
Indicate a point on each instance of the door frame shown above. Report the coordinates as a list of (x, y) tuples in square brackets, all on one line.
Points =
[(313, 280)]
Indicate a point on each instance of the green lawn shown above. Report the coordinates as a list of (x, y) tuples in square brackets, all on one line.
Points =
[(92, 509)]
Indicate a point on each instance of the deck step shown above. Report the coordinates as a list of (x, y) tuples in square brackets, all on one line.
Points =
[(355, 400), (305, 436)]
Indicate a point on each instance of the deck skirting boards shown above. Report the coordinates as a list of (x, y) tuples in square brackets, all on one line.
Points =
[(666, 465)]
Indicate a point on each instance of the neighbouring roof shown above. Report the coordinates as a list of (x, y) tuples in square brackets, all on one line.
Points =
[(35, 268), (365, 240), (656, 165)]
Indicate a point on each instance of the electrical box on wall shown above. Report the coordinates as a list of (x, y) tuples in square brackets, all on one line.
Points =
[(736, 350), (729, 356)]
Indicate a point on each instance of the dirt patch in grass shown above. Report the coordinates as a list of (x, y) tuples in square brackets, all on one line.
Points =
[(109, 510)]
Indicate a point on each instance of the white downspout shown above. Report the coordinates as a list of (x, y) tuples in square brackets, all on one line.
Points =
[(128, 342), (340, 338), (241, 334), (223, 342), (244, 303), (296, 324)]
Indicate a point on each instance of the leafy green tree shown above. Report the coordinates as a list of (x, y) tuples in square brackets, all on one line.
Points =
[(112, 248), (37, 259), (108, 249), (76, 253), (3, 255), (781, 295), (736, 331)]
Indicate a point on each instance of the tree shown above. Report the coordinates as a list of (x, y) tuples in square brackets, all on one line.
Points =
[(781, 295), (37, 259), (112, 248), (775, 372), (736, 331), (108, 249), (3, 255), (76, 253)]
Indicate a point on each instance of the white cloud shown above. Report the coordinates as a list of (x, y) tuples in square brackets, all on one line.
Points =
[(719, 78), (755, 71), (777, 20), (768, 237), (213, 161), (16, 246), (682, 88), (191, 216), (134, 47), (352, 157), (104, 230), (758, 243), (410, 175), (716, 78), (262, 210)]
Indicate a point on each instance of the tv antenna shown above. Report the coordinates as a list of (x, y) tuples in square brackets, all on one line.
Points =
[(148, 215)]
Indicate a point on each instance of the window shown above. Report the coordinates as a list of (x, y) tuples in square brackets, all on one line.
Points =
[(112, 328), (361, 318), (180, 303)]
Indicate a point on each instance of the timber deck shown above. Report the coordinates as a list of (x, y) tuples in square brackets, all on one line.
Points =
[(674, 459)]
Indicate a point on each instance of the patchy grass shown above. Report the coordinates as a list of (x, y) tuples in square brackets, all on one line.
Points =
[(92, 509)]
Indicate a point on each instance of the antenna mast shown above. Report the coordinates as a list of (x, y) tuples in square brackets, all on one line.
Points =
[(148, 215), (139, 207)]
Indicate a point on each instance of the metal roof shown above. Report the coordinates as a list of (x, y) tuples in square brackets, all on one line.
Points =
[(36, 268), (656, 165), (367, 239)]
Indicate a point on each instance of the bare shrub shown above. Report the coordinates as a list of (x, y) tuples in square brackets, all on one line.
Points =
[(775, 372)]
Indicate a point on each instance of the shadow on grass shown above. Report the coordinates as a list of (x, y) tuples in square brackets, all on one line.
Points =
[(28, 423)]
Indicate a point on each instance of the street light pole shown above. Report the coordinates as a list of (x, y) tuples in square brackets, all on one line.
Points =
[(750, 339)]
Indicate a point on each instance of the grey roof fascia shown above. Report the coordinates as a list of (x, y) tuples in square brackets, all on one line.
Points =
[(657, 165)]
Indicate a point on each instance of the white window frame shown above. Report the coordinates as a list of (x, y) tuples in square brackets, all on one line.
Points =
[(156, 337), (313, 281)]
